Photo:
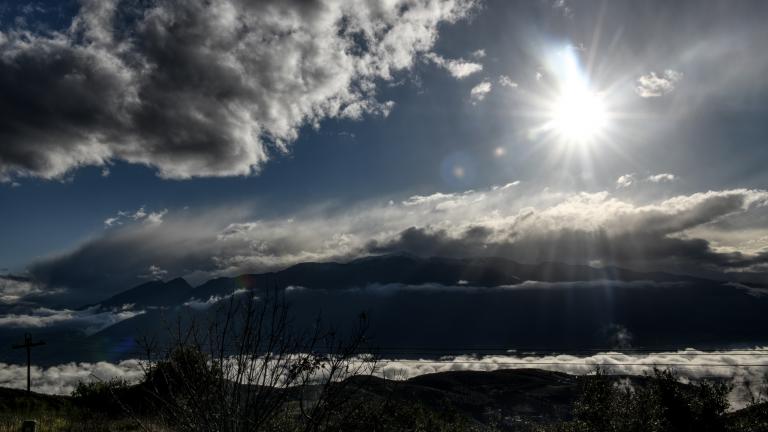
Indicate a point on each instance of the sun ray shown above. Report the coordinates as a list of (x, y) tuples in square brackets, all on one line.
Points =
[(573, 121)]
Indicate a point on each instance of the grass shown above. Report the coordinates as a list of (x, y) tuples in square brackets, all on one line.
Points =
[(74, 422)]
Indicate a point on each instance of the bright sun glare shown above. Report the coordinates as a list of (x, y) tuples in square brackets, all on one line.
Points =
[(578, 114), (575, 113)]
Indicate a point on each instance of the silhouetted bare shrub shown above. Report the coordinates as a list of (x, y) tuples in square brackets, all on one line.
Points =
[(102, 397), (248, 369)]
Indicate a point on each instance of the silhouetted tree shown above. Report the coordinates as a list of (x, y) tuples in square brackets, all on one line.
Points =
[(657, 403)]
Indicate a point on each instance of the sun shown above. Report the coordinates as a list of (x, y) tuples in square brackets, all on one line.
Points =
[(578, 115), (570, 109)]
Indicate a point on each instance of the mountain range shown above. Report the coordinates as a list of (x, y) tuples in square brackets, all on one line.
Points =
[(443, 306), (402, 269)]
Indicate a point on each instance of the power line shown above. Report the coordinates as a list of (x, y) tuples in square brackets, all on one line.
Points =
[(28, 345), (447, 353), (480, 362)]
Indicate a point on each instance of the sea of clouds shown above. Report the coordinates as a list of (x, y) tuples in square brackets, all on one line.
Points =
[(746, 370)]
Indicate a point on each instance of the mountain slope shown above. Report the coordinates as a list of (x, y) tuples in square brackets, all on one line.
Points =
[(453, 306), (155, 293), (411, 270), (383, 270)]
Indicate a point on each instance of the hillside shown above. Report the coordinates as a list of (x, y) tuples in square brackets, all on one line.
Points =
[(502, 400)]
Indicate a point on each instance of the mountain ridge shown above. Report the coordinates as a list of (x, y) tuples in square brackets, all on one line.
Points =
[(396, 268)]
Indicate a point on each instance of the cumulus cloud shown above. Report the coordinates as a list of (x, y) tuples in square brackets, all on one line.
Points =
[(656, 85), (458, 68), (90, 320), (480, 91), (671, 234), (626, 180), (195, 88)]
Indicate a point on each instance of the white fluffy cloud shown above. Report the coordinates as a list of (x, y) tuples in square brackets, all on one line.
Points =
[(199, 88), (480, 91), (626, 180), (655, 85), (458, 68)]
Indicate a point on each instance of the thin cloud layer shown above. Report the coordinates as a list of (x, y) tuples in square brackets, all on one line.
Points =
[(506, 81), (197, 88), (14, 289), (504, 221), (690, 364), (90, 320), (663, 177)]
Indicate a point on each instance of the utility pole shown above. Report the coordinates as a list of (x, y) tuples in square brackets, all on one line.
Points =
[(28, 344)]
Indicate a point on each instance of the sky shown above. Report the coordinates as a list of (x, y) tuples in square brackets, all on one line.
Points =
[(144, 139)]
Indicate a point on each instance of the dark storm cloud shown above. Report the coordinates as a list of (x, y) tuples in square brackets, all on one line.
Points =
[(644, 250), (650, 238), (128, 255), (199, 88)]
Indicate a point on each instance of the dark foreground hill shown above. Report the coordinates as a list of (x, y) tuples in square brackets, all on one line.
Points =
[(502, 400), (507, 399), (14, 400)]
